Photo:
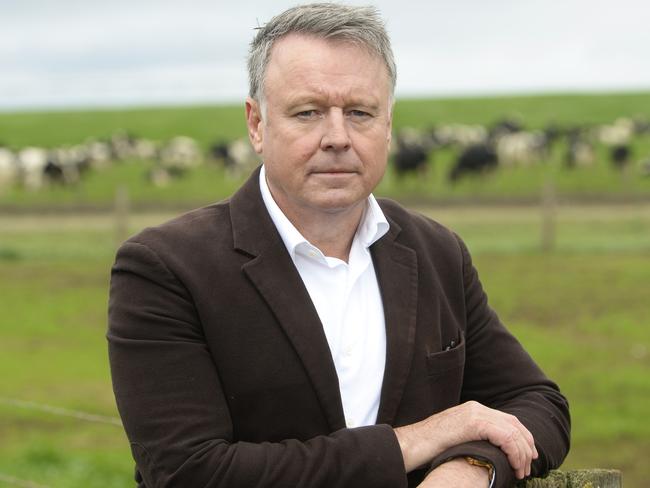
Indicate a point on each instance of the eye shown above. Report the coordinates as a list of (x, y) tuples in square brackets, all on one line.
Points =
[(359, 114), (306, 114)]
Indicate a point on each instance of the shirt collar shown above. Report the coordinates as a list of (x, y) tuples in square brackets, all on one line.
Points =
[(373, 224)]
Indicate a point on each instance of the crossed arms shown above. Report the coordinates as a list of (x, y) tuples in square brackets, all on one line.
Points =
[(183, 388)]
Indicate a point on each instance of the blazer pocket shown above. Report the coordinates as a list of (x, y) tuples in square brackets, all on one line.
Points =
[(445, 376), (445, 362)]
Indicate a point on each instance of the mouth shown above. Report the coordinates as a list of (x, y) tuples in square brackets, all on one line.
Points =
[(334, 171), (334, 175)]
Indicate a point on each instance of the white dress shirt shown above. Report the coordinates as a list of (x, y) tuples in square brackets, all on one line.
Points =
[(348, 301)]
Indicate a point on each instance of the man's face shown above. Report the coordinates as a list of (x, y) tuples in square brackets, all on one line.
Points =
[(326, 129)]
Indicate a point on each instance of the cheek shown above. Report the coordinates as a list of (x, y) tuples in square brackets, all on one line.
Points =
[(374, 152), (304, 154), (294, 146), (302, 148)]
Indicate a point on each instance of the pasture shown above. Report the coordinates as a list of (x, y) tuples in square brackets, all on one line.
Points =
[(210, 182), (581, 311)]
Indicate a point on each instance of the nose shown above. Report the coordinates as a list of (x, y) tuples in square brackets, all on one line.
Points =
[(335, 132)]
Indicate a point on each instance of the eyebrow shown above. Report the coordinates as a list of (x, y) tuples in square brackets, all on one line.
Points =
[(305, 99)]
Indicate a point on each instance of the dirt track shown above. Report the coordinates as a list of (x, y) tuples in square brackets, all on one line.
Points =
[(465, 213)]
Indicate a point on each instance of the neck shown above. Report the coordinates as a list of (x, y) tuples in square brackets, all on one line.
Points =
[(333, 232)]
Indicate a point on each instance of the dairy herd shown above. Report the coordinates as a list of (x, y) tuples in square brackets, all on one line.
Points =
[(35, 167), (476, 149)]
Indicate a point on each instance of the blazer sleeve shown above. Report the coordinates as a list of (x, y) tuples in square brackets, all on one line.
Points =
[(500, 374), (175, 413)]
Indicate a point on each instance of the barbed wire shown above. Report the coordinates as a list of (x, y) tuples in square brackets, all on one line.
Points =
[(19, 482), (65, 412), (51, 409)]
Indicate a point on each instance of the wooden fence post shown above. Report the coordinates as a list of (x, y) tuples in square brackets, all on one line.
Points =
[(548, 217), (601, 478), (121, 212), (581, 478)]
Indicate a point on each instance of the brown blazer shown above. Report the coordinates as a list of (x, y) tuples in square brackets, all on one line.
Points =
[(223, 376)]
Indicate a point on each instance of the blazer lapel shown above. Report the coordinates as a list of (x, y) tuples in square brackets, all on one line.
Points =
[(273, 273), (397, 274)]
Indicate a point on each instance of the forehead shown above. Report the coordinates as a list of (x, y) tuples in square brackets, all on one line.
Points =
[(301, 62), (314, 42)]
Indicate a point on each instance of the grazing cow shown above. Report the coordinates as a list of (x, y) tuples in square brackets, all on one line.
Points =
[(121, 144), (144, 149), (553, 133), (99, 154), (175, 158), (66, 164), (475, 159), (616, 134), (505, 126), (219, 152), (31, 166), (620, 155), (180, 154), (580, 150), (53, 172), (241, 158), (521, 148), (411, 153), (460, 135)]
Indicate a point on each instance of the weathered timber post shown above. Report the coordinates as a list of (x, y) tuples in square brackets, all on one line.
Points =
[(582, 478), (555, 479), (548, 217), (121, 211), (595, 478)]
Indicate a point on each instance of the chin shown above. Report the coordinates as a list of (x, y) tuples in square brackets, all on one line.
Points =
[(339, 204)]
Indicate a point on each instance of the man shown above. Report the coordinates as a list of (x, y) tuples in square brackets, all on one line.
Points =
[(300, 333)]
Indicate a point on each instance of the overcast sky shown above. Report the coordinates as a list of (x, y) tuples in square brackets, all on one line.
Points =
[(70, 53)]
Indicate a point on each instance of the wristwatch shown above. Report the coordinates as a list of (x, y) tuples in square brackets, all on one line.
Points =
[(483, 464)]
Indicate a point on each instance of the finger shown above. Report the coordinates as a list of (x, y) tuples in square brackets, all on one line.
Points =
[(526, 453), (513, 439), (527, 435), (529, 445), (519, 451), (508, 433), (531, 449), (504, 437), (520, 442)]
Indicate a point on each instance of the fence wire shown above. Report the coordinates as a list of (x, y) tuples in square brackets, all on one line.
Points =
[(64, 412), (18, 482), (51, 409)]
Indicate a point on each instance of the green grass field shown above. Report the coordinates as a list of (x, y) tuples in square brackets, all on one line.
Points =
[(214, 122), (581, 311), (209, 124)]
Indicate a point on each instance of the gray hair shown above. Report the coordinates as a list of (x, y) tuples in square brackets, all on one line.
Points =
[(359, 25)]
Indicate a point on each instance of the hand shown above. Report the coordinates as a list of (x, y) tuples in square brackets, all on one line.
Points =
[(471, 421), (457, 473)]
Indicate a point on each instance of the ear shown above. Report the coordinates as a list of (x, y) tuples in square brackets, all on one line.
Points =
[(255, 124)]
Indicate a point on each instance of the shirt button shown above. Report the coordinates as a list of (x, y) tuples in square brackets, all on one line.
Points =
[(313, 253), (349, 423), (348, 351)]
